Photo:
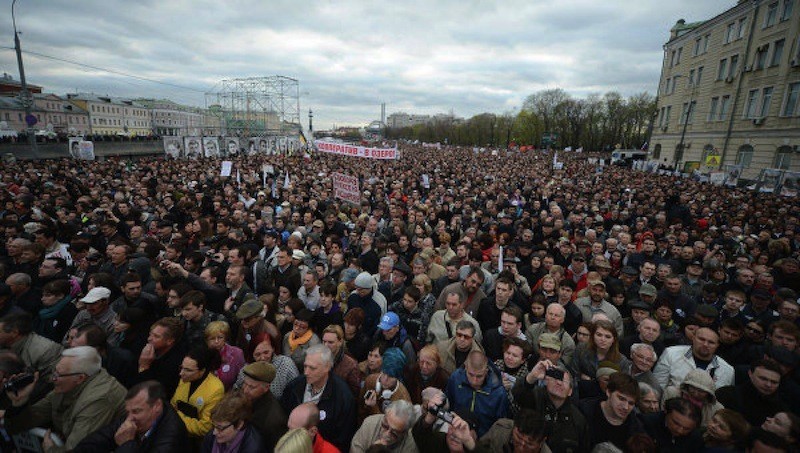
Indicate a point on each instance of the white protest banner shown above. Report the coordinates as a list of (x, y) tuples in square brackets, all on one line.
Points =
[(732, 174), (770, 180), (426, 182), (86, 150), (791, 183), (227, 166), (344, 149), (717, 178), (346, 188)]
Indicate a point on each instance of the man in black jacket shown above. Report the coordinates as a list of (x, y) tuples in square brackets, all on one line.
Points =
[(151, 425), (331, 394), (162, 356), (568, 427), (757, 398)]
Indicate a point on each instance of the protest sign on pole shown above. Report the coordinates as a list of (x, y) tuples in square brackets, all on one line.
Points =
[(346, 188), (227, 167)]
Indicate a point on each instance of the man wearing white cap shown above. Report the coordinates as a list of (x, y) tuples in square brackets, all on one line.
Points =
[(364, 298), (95, 307)]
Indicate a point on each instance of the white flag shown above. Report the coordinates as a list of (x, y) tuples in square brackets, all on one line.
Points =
[(500, 260), (286, 181)]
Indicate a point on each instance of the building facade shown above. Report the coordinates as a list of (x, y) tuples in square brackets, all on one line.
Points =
[(113, 116), (402, 119), (60, 116), (170, 118), (729, 92)]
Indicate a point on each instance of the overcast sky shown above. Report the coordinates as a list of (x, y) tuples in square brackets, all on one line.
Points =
[(426, 57)]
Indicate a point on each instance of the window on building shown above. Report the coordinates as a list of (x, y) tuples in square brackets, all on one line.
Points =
[(730, 33), (723, 69), (667, 85), (791, 102), (742, 28), (724, 107), (766, 99), (680, 52), (761, 57), (788, 7), (783, 158), (734, 66), (772, 15), (698, 46), (692, 108), (699, 75), (706, 38), (745, 156), (691, 77), (669, 112), (751, 104), (657, 151), (777, 52)]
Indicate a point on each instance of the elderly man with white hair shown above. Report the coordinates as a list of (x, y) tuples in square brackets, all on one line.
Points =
[(84, 398), (643, 358), (319, 385), (391, 429)]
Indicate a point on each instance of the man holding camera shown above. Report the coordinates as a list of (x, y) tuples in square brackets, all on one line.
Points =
[(460, 436), (547, 389)]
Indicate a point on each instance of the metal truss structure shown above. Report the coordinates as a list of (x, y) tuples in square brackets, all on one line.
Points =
[(253, 107)]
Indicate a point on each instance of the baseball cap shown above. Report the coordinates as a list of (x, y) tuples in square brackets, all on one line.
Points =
[(389, 320), (95, 294)]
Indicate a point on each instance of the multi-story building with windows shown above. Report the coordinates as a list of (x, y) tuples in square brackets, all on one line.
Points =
[(113, 116), (730, 87), (57, 115), (170, 118)]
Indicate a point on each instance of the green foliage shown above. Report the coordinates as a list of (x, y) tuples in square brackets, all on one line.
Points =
[(594, 123)]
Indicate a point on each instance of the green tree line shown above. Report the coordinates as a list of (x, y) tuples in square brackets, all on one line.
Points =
[(597, 122)]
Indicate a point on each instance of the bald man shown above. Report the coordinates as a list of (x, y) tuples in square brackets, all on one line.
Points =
[(678, 361), (306, 416)]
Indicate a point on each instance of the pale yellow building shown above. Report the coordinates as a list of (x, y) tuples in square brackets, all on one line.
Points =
[(114, 116), (730, 88)]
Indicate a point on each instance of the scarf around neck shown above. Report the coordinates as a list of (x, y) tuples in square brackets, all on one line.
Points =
[(294, 342)]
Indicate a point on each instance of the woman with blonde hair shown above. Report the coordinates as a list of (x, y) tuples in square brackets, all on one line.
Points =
[(294, 441), (232, 358), (426, 372), (344, 365)]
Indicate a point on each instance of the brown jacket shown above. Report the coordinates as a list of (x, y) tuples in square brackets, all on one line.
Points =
[(447, 349), (370, 383), (347, 368)]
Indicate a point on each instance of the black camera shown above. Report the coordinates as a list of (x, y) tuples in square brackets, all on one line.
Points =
[(554, 373), (441, 414), (18, 383)]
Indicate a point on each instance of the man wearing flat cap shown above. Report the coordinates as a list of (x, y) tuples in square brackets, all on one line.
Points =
[(268, 415), (596, 303)]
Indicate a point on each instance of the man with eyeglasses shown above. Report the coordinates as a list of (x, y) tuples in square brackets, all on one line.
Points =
[(84, 398), (390, 429), (643, 358), (577, 271), (150, 424)]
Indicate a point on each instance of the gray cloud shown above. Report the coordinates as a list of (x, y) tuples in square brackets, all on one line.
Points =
[(418, 56)]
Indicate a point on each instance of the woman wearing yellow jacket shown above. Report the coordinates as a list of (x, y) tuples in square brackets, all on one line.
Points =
[(198, 391)]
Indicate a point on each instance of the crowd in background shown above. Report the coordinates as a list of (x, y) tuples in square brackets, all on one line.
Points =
[(469, 302)]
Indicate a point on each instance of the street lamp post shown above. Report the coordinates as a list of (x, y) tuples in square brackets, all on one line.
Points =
[(27, 99)]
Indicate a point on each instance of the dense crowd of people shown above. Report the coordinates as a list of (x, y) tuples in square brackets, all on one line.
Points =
[(469, 302)]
